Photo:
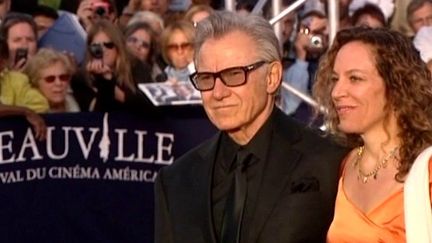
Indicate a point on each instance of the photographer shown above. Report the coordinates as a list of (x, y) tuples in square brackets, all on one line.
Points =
[(90, 11), (309, 45), (16, 91), (20, 35), (111, 74)]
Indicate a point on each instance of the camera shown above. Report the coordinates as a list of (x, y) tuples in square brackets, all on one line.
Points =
[(20, 53), (101, 8), (96, 51), (316, 41)]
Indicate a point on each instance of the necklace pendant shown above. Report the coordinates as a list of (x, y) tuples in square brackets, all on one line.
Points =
[(365, 179)]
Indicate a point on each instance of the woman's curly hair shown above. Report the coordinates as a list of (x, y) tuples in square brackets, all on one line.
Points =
[(408, 86)]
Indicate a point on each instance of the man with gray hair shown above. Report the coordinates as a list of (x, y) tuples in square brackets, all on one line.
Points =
[(262, 178), (419, 14)]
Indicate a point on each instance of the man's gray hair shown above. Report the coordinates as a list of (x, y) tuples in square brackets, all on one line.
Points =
[(221, 23), (414, 5)]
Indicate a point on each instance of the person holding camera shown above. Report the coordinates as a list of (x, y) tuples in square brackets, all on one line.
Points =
[(17, 96), (309, 45), (110, 73), (20, 34), (91, 10)]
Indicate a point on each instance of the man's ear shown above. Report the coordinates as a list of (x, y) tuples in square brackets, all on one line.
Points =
[(274, 76)]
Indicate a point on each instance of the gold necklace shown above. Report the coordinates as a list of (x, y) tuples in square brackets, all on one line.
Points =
[(364, 177)]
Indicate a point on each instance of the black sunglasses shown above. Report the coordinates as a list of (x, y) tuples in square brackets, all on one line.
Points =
[(231, 77), (107, 45), (144, 44), (177, 47), (61, 77)]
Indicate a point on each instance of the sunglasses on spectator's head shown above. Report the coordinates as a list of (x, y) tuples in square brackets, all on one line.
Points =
[(142, 43), (107, 45), (61, 77)]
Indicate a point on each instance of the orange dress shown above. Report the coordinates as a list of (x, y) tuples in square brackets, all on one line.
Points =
[(384, 223)]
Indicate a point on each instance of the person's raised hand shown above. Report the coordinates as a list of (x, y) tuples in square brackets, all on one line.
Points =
[(96, 66), (38, 124), (85, 13)]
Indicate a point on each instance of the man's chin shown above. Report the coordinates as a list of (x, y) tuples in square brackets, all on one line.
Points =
[(227, 127)]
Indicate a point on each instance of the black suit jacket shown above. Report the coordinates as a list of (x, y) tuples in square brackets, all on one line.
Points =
[(296, 196)]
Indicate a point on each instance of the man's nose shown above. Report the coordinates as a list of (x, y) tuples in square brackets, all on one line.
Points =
[(220, 90)]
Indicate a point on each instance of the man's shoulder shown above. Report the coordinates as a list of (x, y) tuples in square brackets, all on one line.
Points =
[(304, 136), (192, 157)]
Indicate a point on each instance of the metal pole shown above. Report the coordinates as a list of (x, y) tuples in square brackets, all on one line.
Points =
[(306, 98), (276, 9), (259, 6), (230, 5), (333, 10), (286, 11)]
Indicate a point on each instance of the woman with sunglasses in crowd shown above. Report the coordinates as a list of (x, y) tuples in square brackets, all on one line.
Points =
[(50, 71), (177, 50), (111, 74), (141, 42)]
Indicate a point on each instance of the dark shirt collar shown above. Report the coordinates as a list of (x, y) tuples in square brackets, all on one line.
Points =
[(229, 149), (258, 145)]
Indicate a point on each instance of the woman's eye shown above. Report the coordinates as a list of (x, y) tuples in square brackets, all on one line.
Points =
[(355, 78)]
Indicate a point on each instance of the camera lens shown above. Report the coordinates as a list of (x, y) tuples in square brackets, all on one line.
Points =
[(100, 11), (316, 41), (96, 51)]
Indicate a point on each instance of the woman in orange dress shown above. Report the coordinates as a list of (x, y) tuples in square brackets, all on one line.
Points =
[(378, 95)]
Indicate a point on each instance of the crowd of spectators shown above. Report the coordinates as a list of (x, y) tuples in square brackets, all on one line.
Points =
[(144, 41)]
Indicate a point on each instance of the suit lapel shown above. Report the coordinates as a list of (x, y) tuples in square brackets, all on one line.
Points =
[(207, 155), (281, 161)]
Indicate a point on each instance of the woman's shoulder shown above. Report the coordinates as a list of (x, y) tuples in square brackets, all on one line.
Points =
[(15, 76), (13, 80), (346, 160)]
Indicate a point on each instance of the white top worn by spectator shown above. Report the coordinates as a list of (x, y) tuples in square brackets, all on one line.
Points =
[(386, 6), (423, 43)]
